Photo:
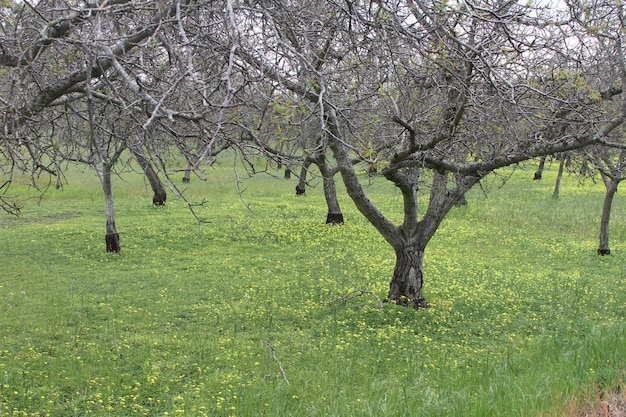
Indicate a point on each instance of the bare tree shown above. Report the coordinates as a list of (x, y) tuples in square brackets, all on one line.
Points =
[(612, 169), (446, 87), (598, 28), (435, 95)]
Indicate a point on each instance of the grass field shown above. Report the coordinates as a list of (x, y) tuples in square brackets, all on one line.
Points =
[(257, 313)]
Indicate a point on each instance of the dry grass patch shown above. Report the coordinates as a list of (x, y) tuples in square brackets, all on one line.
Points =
[(604, 404)]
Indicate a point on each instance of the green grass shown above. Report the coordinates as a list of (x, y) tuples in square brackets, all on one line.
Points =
[(246, 317)]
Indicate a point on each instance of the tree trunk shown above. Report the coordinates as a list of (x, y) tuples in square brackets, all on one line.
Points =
[(187, 175), (539, 172), (611, 189), (462, 201), (406, 285), (287, 173), (334, 215), (112, 238), (301, 187), (557, 185), (160, 195)]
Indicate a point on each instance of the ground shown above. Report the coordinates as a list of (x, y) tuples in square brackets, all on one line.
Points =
[(612, 405)]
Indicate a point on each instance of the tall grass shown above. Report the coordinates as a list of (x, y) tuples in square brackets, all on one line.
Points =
[(258, 313)]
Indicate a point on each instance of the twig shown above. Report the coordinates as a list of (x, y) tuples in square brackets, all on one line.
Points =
[(237, 188), (357, 292), (275, 359)]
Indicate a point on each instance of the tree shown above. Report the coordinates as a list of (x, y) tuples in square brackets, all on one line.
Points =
[(108, 71), (601, 23), (612, 171), (435, 94), (48, 66), (446, 87)]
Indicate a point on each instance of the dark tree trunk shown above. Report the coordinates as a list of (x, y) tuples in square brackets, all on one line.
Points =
[(287, 173), (334, 218), (334, 215), (301, 187), (112, 242), (112, 238), (559, 175), (611, 189), (539, 173), (300, 190), (160, 195), (406, 285)]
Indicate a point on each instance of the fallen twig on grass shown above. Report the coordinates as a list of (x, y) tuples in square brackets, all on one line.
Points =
[(275, 359), (358, 292)]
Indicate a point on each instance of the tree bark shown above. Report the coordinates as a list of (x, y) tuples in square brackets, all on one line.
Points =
[(539, 173), (334, 215), (112, 238), (160, 195), (301, 187), (559, 175), (406, 285), (611, 189), (187, 175)]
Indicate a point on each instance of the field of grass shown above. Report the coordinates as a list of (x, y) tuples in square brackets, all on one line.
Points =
[(256, 313)]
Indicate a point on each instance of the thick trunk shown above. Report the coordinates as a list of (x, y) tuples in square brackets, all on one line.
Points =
[(160, 195), (406, 285), (112, 238), (604, 249), (539, 173), (557, 185), (334, 218)]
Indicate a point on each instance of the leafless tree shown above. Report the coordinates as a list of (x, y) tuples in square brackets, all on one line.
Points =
[(435, 95), (597, 29), (444, 90), (83, 82)]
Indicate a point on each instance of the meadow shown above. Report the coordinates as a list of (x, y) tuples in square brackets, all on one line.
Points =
[(263, 310)]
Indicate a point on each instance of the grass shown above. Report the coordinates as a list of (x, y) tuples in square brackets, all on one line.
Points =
[(248, 316)]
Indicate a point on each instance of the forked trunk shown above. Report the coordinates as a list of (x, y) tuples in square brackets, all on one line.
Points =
[(611, 189), (406, 285), (112, 238)]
